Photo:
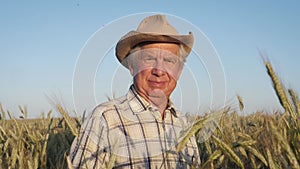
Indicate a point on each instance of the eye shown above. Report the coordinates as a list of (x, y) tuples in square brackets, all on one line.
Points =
[(170, 60), (149, 58)]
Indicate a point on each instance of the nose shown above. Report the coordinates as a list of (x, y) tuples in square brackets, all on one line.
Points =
[(158, 69)]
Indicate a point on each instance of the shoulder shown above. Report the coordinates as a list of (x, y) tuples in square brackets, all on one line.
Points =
[(102, 115), (108, 107)]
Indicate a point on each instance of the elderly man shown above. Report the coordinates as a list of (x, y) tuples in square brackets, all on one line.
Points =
[(142, 128)]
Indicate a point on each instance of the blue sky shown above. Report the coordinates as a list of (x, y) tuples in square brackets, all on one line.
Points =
[(41, 42)]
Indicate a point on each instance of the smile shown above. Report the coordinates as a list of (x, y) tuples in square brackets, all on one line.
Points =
[(157, 83)]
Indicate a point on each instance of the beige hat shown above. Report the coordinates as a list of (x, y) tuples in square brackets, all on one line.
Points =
[(152, 29)]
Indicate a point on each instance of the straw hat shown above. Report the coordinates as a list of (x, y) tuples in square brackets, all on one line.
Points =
[(152, 29)]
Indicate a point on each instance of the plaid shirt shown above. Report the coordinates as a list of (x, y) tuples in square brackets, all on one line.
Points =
[(130, 133)]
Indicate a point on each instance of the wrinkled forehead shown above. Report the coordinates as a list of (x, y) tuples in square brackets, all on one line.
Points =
[(157, 52), (171, 48)]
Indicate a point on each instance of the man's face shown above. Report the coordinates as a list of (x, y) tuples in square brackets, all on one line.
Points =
[(156, 69)]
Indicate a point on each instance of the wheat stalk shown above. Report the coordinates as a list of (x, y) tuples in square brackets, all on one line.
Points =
[(227, 150), (257, 154), (241, 103), (291, 156), (295, 100), (270, 159), (279, 89), (69, 120)]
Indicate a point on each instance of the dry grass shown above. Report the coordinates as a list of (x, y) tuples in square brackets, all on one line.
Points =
[(259, 140)]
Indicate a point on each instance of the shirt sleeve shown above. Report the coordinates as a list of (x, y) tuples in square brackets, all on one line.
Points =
[(90, 148)]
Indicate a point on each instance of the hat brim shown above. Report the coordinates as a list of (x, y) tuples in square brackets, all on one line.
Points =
[(133, 38)]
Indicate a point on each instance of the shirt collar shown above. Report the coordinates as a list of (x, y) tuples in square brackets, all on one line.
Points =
[(138, 104)]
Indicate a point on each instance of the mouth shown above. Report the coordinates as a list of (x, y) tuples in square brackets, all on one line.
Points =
[(157, 84)]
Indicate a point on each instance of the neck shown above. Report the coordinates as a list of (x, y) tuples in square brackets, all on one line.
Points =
[(160, 103), (157, 98)]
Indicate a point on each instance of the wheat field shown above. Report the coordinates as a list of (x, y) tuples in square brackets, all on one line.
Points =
[(259, 140)]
